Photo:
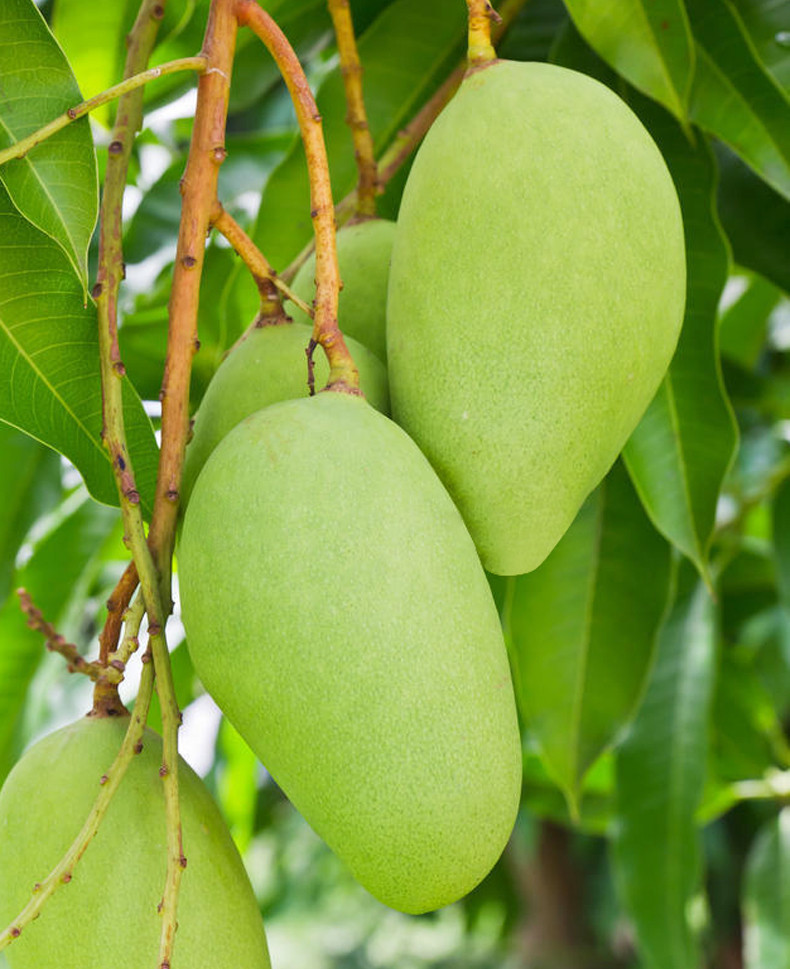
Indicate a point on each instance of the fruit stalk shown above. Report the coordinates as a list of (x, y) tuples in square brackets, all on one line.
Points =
[(481, 15), (343, 374), (356, 118), (61, 874)]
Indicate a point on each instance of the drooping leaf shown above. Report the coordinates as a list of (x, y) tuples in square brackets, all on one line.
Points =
[(403, 55), (756, 220), (49, 360), (55, 185), (660, 776), (53, 577), (29, 486), (680, 452), (734, 97), (766, 902), (744, 324), (582, 628), (648, 43), (532, 34)]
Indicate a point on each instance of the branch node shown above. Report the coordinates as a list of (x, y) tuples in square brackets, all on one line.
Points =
[(115, 148)]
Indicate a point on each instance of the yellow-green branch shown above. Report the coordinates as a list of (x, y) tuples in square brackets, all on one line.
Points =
[(357, 117), (21, 148)]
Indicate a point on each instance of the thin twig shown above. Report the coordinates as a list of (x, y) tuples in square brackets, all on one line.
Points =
[(356, 118), (55, 643), (343, 373), (21, 148), (62, 873)]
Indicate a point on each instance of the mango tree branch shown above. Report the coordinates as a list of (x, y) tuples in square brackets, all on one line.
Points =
[(357, 118), (199, 194), (343, 374), (264, 276), (128, 121), (21, 148), (62, 873)]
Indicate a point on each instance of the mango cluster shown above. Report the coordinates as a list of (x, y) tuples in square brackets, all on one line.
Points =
[(517, 320)]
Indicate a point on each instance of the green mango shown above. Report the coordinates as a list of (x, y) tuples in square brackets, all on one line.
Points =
[(268, 366), (536, 296), (336, 610), (107, 915), (363, 255)]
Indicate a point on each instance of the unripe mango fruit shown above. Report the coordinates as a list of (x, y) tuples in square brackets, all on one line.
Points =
[(536, 295), (107, 915), (336, 610), (363, 256), (267, 366)]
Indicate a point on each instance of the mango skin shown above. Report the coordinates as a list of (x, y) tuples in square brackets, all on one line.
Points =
[(107, 915), (363, 254), (536, 295), (268, 366), (336, 610)]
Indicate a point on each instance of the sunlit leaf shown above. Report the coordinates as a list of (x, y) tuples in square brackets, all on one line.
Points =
[(49, 358), (768, 26), (55, 186), (648, 42), (660, 775), (582, 629)]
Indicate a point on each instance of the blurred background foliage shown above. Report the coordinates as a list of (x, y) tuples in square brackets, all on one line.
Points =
[(651, 652)]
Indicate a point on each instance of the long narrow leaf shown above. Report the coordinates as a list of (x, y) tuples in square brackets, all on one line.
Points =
[(582, 630), (660, 776)]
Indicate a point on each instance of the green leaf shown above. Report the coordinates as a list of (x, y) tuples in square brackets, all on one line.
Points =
[(744, 324), (660, 776), (51, 576), (403, 55), (648, 43), (680, 452), (781, 542), (582, 628), (756, 220), (93, 40), (734, 97), (766, 901), (55, 186), (767, 24), (49, 361), (29, 486)]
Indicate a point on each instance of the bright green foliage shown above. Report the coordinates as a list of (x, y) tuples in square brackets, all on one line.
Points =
[(363, 254), (268, 366), (536, 295), (337, 611), (107, 915)]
